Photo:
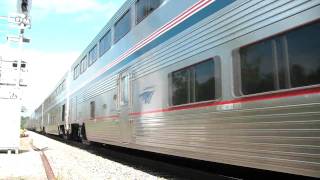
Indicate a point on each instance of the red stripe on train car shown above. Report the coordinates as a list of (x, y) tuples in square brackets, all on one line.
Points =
[(180, 18), (103, 118), (277, 95)]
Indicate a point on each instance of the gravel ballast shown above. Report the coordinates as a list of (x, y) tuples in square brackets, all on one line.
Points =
[(69, 162), (25, 165)]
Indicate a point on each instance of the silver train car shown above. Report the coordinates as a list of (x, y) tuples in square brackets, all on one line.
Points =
[(228, 81)]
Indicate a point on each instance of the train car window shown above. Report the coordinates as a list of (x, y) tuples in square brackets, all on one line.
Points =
[(83, 65), (63, 112), (63, 85), (92, 109), (304, 55), (257, 68), (122, 27), (76, 71), (282, 81), (195, 83), (180, 87), (204, 81), (145, 7), (124, 89), (105, 43), (285, 61), (93, 55)]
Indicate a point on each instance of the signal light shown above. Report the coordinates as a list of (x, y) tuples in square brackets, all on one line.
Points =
[(24, 6)]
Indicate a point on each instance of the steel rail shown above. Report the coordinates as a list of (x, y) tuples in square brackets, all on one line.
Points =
[(45, 162)]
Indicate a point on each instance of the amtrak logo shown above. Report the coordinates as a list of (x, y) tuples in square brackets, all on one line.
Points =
[(146, 95)]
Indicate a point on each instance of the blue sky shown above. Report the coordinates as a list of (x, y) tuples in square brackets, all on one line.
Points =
[(64, 25), (61, 30)]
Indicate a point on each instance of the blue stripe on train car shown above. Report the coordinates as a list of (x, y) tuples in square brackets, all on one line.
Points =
[(197, 17)]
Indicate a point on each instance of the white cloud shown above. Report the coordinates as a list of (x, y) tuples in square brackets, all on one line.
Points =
[(68, 6), (84, 10), (45, 70), (71, 6)]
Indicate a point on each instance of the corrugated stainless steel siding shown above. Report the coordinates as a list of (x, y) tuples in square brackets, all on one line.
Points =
[(283, 136), (103, 130), (280, 135), (98, 88), (226, 25)]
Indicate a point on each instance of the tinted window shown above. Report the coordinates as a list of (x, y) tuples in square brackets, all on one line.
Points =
[(145, 7), (304, 55), (63, 85), (124, 89), (194, 84), (257, 68), (105, 43), (63, 112), (282, 63), (93, 54), (180, 87), (291, 59), (92, 109), (123, 26), (204, 81), (83, 65), (76, 72)]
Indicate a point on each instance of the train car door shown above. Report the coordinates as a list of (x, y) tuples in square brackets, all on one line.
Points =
[(124, 106)]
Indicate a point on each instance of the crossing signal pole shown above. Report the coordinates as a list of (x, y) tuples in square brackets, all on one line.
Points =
[(10, 117)]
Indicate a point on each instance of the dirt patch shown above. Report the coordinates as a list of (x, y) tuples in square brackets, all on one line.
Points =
[(25, 144)]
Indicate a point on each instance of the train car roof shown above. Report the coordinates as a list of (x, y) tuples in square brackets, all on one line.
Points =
[(120, 12)]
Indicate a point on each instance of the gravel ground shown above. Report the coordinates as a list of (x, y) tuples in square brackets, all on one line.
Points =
[(71, 163), (25, 165)]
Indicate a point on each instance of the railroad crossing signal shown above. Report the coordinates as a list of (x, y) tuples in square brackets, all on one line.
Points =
[(21, 20)]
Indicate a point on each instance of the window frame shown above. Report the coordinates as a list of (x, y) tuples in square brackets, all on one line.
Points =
[(137, 21), (115, 39), (90, 59), (238, 67), (125, 75), (76, 72), (84, 60), (217, 84), (288, 84), (102, 52)]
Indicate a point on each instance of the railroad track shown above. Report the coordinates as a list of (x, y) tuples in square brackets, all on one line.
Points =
[(169, 167), (172, 167), (45, 163), (155, 164)]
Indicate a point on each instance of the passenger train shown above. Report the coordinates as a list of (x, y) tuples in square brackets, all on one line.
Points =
[(227, 81)]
